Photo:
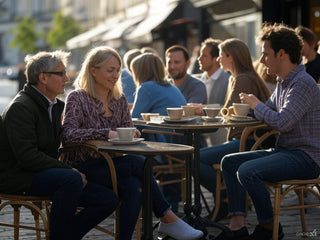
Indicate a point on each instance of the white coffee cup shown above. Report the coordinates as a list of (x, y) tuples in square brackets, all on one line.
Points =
[(175, 113), (126, 133), (188, 110), (211, 112), (241, 109)]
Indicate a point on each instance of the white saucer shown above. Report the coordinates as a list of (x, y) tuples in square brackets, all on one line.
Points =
[(211, 119), (248, 119), (117, 141), (182, 120), (240, 116)]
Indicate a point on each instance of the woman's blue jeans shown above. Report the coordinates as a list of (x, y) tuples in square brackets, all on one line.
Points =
[(129, 170), (246, 172), (213, 155), (66, 188)]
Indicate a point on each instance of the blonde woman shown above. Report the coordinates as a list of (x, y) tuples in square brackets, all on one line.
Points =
[(93, 112)]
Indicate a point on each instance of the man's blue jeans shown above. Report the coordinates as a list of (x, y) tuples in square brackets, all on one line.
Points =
[(246, 172), (66, 188)]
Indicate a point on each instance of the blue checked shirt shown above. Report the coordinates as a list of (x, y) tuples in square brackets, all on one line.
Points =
[(294, 110)]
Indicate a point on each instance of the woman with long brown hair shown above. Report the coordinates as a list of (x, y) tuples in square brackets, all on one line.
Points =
[(234, 56)]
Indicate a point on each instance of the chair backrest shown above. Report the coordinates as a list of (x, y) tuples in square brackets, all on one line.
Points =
[(264, 136)]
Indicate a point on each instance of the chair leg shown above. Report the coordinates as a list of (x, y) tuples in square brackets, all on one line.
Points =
[(36, 223), (205, 202), (16, 220), (217, 200), (47, 224), (302, 210), (276, 212)]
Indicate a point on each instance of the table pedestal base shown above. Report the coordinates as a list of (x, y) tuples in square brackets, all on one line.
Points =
[(193, 218)]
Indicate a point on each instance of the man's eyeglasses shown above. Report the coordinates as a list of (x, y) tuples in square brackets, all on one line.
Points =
[(61, 74)]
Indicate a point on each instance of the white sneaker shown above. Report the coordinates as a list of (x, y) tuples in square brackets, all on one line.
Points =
[(180, 230)]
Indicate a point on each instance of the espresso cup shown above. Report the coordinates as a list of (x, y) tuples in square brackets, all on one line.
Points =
[(146, 116), (241, 109), (188, 110), (126, 133), (211, 112), (175, 113)]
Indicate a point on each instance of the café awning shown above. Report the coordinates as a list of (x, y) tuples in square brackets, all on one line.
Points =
[(157, 13), (84, 39), (117, 30)]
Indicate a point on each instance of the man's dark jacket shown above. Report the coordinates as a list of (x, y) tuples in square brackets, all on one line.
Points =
[(29, 142)]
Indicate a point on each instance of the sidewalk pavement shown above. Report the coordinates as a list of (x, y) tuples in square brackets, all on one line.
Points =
[(290, 221)]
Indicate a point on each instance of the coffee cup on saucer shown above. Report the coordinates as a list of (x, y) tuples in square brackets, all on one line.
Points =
[(126, 133), (147, 116), (175, 113), (241, 109), (211, 112), (188, 110)]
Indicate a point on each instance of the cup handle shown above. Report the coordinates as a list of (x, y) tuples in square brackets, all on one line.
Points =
[(224, 112), (231, 110)]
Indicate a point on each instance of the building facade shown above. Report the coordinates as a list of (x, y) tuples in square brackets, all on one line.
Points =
[(159, 24)]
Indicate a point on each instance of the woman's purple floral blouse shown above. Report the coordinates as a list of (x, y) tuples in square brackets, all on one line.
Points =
[(83, 120)]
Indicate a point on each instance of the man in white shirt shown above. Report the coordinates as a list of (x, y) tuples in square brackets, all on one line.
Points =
[(215, 79)]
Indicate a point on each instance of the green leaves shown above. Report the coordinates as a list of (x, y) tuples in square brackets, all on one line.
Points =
[(64, 28), (25, 36)]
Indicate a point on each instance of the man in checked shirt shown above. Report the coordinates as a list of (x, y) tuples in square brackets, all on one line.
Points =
[(294, 110)]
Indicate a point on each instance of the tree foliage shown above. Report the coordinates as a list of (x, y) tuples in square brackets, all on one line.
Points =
[(64, 28), (25, 36)]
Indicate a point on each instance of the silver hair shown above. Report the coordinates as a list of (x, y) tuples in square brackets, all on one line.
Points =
[(43, 62)]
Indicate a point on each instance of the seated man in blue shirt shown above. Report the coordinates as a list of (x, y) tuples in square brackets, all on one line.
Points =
[(294, 110), (178, 62)]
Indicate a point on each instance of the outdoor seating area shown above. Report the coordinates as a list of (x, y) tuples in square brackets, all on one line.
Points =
[(94, 165)]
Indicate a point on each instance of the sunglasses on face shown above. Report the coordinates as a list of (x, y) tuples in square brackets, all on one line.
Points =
[(61, 74)]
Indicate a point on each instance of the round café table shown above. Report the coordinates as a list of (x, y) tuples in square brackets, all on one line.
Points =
[(192, 128), (149, 150)]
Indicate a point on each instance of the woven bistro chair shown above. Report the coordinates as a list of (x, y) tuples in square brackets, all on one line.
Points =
[(35, 205), (260, 133)]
